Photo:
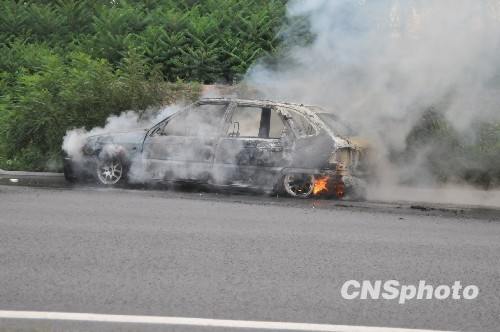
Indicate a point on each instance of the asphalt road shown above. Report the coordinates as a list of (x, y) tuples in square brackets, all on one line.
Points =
[(206, 255)]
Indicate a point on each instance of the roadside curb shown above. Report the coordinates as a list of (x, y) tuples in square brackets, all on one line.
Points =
[(424, 208), (23, 173), (56, 180)]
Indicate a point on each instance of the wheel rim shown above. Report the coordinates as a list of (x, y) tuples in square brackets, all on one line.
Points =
[(299, 185), (110, 171)]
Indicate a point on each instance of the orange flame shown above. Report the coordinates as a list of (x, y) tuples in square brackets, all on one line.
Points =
[(320, 185)]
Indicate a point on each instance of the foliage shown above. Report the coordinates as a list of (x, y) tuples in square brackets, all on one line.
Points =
[(448, 155), (55, 92), (206, 41), (69, 63)]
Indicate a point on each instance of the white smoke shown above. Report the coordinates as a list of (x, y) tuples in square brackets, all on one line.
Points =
[(380, 64), (75, 139)]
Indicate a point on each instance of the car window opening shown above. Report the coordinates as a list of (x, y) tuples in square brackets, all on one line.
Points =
[(201, 120), (256, 122)]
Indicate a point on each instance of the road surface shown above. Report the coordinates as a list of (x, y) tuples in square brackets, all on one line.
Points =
[(237, 257)]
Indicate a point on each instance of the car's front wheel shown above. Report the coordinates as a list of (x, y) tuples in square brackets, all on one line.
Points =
[(110, 171), (298, 185)]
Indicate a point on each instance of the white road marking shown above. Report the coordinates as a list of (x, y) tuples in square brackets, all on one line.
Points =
[(199, 322)]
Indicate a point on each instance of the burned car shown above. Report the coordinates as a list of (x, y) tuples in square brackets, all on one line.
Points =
[(284, 148)]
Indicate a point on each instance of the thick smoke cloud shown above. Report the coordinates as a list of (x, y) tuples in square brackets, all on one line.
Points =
[(75, 139), (381, 64)]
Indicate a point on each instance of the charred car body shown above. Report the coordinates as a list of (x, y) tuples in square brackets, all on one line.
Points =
[(277, 147)]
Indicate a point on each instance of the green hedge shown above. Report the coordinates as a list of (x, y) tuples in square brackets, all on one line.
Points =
[(205, 41), (72, 63)]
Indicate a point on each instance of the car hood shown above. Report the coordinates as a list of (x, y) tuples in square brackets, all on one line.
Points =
[(359, 143), (123, 137)]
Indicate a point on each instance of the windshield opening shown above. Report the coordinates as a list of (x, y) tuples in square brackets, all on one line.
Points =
[(335, 124)]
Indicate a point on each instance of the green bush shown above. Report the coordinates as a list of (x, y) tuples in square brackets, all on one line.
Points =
[(72, 63), (451, 156), (206, 41), (54, 93)]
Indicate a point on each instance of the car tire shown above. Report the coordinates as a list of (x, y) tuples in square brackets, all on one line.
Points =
[(298, 185), (110, 170)]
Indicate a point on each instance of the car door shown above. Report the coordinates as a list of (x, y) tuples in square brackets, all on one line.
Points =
[(183, 147), (253, 150)]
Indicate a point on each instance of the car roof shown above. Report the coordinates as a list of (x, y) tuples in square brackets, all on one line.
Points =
[(268, 103)]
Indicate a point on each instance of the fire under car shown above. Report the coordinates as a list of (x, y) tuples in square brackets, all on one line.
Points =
[(281, 148)]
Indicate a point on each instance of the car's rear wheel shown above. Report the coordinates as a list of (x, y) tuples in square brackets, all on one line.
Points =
[(110, 171), (298, 185)]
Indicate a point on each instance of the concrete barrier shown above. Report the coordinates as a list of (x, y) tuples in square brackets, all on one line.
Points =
[(23, 173)]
